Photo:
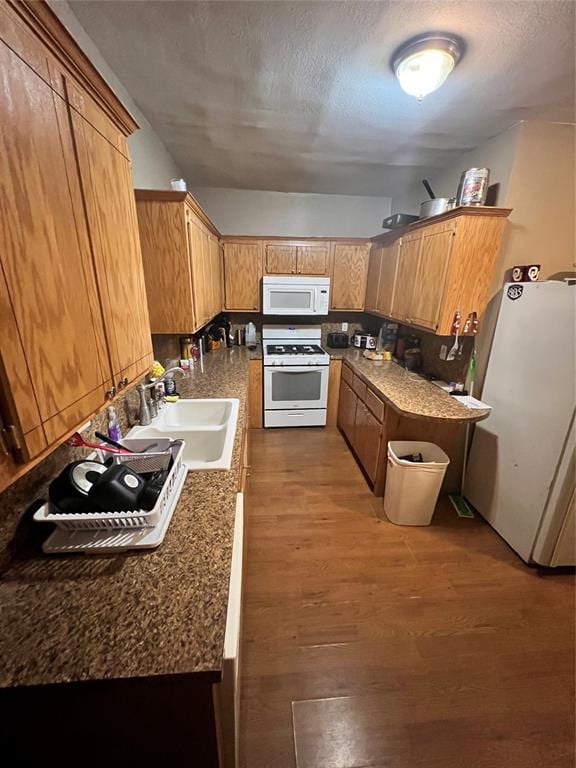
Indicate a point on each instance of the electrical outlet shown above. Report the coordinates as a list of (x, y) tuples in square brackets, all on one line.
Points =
[(344, 326), (443, 352)]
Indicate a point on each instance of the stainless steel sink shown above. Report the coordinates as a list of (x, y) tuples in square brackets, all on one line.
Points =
[(207, 426)]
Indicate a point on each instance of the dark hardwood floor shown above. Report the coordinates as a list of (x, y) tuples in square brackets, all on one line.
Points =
[(368, 644)]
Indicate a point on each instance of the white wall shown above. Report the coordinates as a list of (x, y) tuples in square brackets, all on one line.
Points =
[(498, 154), (152, 164), (253, 212)]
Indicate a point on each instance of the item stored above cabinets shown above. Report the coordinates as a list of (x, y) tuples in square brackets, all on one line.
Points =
[(399, 220)]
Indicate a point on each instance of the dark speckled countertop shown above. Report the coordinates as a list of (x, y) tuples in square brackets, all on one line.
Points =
[(160, 612), (408, 393)]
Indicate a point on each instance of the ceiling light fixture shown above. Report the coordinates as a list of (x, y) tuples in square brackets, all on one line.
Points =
[(423, 63)]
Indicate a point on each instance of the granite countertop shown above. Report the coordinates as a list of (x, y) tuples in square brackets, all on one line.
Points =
[(408, 393), (75, 618)]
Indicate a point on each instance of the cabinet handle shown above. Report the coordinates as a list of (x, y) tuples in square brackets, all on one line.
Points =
[(3, 444), (110, 393)]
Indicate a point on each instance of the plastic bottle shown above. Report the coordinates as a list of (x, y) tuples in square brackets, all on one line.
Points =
[(114, 430), (250, 335)]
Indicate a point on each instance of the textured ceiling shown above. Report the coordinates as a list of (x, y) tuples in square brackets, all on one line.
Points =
[(299, 97)]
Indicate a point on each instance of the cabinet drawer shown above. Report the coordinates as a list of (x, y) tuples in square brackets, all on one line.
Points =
[(375, 404), (347, 374), (359, 387)]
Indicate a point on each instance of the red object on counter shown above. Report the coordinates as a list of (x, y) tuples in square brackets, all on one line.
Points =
[(456, 323)]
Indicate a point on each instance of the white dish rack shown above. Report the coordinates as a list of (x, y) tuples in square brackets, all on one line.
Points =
[(100, 532)]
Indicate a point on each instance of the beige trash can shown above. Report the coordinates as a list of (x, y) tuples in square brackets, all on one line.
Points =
[(412, 488)]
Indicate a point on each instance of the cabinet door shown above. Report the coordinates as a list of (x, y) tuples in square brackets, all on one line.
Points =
[(167, 266), (408, 253), (216, 274), (199, 250), (347, 411), (280, 259), (387, 285), (349, 270), (111, 210), (367, 439), (430, 278), (313, 259), (242, 275), (54, 359), (373, 279)]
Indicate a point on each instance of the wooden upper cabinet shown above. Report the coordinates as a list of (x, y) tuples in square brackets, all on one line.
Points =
[(349, 271), (373, 279), (167, 265), (387, 285), (280, 259), (408, 254), (182, 261), (108, 192), (313, 259), (433, 262), (290, 257), (440, 267), (54, 359), (215, 253), (242, 275), (199, 251)]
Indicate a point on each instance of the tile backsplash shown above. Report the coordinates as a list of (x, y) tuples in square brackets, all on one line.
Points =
[(167, 347)]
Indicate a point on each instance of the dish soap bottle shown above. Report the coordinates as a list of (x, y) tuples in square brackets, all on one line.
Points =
[(114, 430)]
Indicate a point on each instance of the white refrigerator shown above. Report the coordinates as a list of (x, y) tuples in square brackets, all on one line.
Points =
[(521, 469)]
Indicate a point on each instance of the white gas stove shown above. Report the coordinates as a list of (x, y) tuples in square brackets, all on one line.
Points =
[(296, 372)]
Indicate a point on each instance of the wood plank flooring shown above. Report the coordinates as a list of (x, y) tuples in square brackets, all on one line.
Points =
[(367, 644)]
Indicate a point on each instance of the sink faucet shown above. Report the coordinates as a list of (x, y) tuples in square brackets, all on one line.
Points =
[(144, 412)]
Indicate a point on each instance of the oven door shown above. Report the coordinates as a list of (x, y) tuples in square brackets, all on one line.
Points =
[(289, 299), (297, 386)]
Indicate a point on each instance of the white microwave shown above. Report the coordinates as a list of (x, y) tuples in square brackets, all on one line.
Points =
[(298, 295)]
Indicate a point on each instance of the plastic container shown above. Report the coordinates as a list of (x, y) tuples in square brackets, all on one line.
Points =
[(412, 488), (131, 518)]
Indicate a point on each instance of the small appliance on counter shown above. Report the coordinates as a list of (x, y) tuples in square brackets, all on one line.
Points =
[(363, 340), (337, 340)]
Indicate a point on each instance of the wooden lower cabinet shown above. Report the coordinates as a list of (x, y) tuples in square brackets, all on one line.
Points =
[(347, 411), (361, 427), (255, 394), (368, 424), (367, 439)]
